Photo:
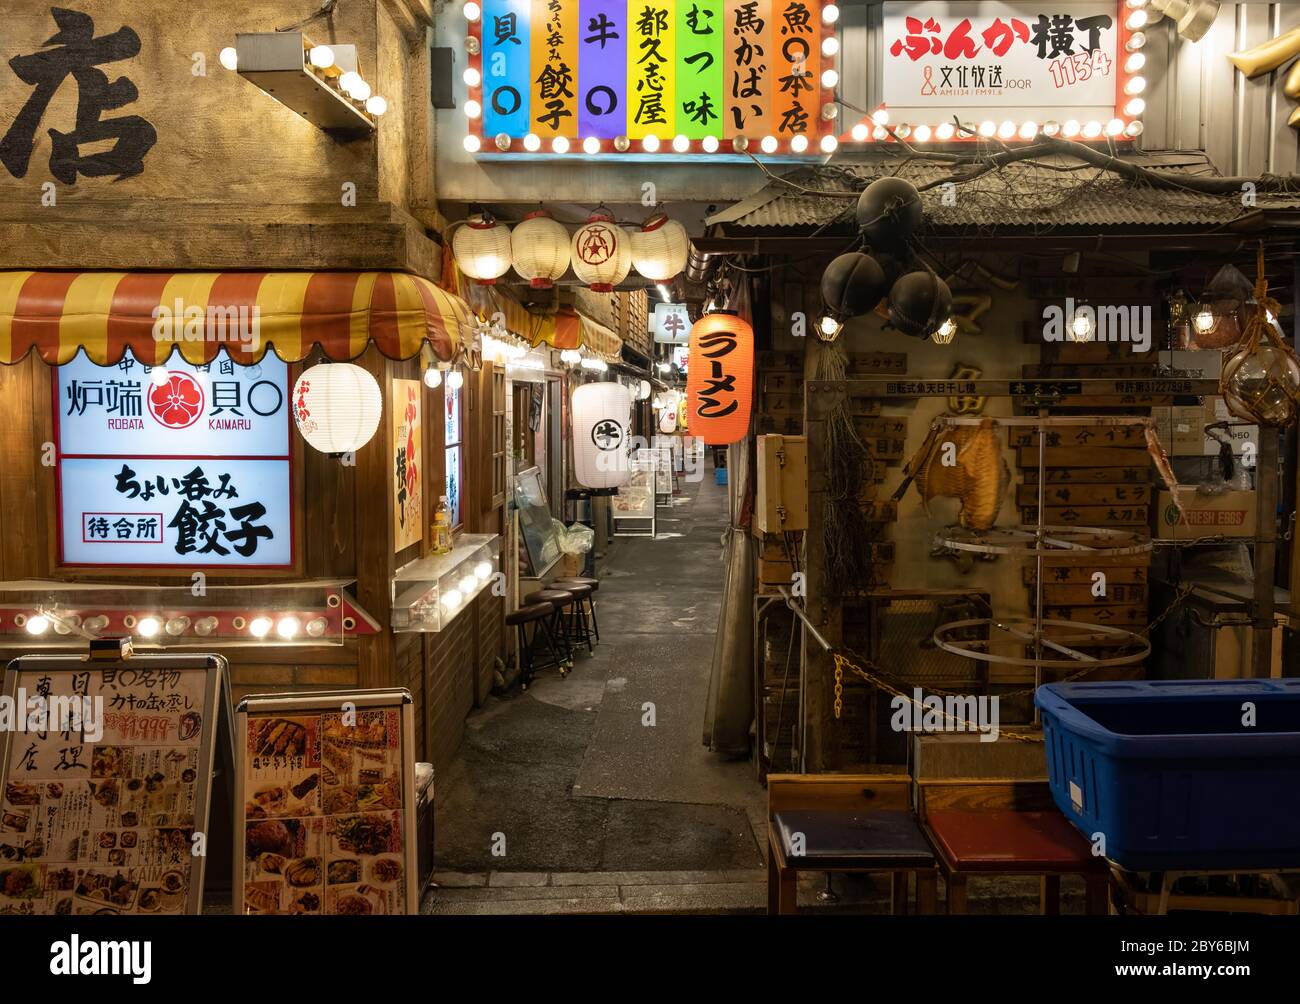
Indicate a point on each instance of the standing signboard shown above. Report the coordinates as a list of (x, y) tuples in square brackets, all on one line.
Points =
[(105, 782), (325, 804), (188, 465)]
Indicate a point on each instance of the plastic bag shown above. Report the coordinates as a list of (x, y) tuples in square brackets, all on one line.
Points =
[(576, 539)]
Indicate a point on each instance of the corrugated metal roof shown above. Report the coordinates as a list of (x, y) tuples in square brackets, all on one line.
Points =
[(1049, 193)]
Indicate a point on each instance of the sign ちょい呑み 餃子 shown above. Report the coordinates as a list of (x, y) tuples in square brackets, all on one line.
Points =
[(614, 72), (186, 466), (1007, 61)]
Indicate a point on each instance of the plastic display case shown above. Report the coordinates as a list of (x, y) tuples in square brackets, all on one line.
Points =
[(429, 592)]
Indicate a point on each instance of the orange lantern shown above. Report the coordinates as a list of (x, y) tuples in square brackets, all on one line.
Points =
[(720, 379)]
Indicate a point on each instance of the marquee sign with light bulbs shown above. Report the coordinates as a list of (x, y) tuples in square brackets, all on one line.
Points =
[(642, 77), (1012, 69)]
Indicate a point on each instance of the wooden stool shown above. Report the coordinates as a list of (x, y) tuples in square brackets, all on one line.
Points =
[(581, 593), (846, 823), (1011, 842), (538, 615), (560, 600), (583, 580)]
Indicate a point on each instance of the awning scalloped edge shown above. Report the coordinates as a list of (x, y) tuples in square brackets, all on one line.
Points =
[(246, 313)]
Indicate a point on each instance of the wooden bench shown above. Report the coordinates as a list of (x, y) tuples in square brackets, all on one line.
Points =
[(1007, 827), (846, 823)]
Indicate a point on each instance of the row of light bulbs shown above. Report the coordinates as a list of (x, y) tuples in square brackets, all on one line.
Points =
[(321, 60), (433, 378), (591, 146), (453, 599), (152, 626), (945, 131)]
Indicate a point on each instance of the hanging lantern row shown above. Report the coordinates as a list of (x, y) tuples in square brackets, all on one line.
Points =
[(917, 302), (601, 252)]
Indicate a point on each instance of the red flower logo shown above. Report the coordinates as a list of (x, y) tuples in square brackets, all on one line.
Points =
[(178, 403)]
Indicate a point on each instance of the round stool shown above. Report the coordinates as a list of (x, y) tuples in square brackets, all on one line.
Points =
[(581, 580), (560, 599), (539, 615), (581, 593)]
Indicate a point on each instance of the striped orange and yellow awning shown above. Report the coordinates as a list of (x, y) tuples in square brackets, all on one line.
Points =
[(246, 313)]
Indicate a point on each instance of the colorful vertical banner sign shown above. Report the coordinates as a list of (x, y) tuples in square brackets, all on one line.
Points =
[(699, 67), (408, 465), (748, 82), (614, 71), (650, 69), (602, 56), (553, 69), (796, 53), (506, 55)]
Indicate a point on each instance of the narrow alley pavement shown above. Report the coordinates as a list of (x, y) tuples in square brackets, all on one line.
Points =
[(591, 809)]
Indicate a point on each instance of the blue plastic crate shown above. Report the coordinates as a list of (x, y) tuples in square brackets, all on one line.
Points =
[(1171, 775), (720, 476)]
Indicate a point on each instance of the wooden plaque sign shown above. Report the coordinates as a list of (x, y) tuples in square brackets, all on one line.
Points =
[(325, 803), (104, 794)]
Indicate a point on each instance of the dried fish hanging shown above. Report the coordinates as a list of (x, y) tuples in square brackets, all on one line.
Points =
[(846, 540), (965, 463)]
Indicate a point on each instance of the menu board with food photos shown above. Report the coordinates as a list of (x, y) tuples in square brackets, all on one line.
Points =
[(104, 797), (326, 804)]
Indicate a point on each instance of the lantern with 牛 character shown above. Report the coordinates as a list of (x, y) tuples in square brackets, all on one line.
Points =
[(720, 379), (601, 413)]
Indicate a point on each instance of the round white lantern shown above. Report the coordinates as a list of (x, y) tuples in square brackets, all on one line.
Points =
[(481, 247), (659, 248), (601, 257), (337, 407), (539, 249), (601, 413)]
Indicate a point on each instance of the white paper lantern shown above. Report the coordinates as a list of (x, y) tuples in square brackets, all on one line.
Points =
[(600, 434), (601, 257), (659, 248), (481, 247), (337, 407), (539, 249)]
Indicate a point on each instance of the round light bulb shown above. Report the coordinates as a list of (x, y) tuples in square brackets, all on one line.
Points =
[(1028, 130), (710, 144), (376, 105), (321, 56), (830, 45), (433, 377), (483, 570), (944, 131), (147, 627), (260, 627), (472, 11), (95, 624), (468, 584), (177, 626), (1134, 128), (1092, 130), (799, 143), (769, 144), (1136, 21), (1007, 129), (348, 81), (361, 91), (591, 146), (829, 325), (229, 58), (1114, 127), (455, 379), (559, 145), (159, 376), (316, 627), (1135, 62), (472, 143), (288, 627), (681, 143), (860, 132), (988, 128), (473, 109), (1135, 108), (880, 116), (829, 144), (1203, 321), (1135, 41), (205, 626), (922, 134), (451, 600), (650, 144), (1070, 129), (830, 14), (830, 77), (1135, 85), (472, 77), (532, 142), (37, 624)]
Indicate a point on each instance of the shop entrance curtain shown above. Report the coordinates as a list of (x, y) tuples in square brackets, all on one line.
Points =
[(246, 313)]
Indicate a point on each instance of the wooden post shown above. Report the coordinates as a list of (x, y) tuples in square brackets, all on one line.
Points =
[(1266, 486), (819, 739)]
